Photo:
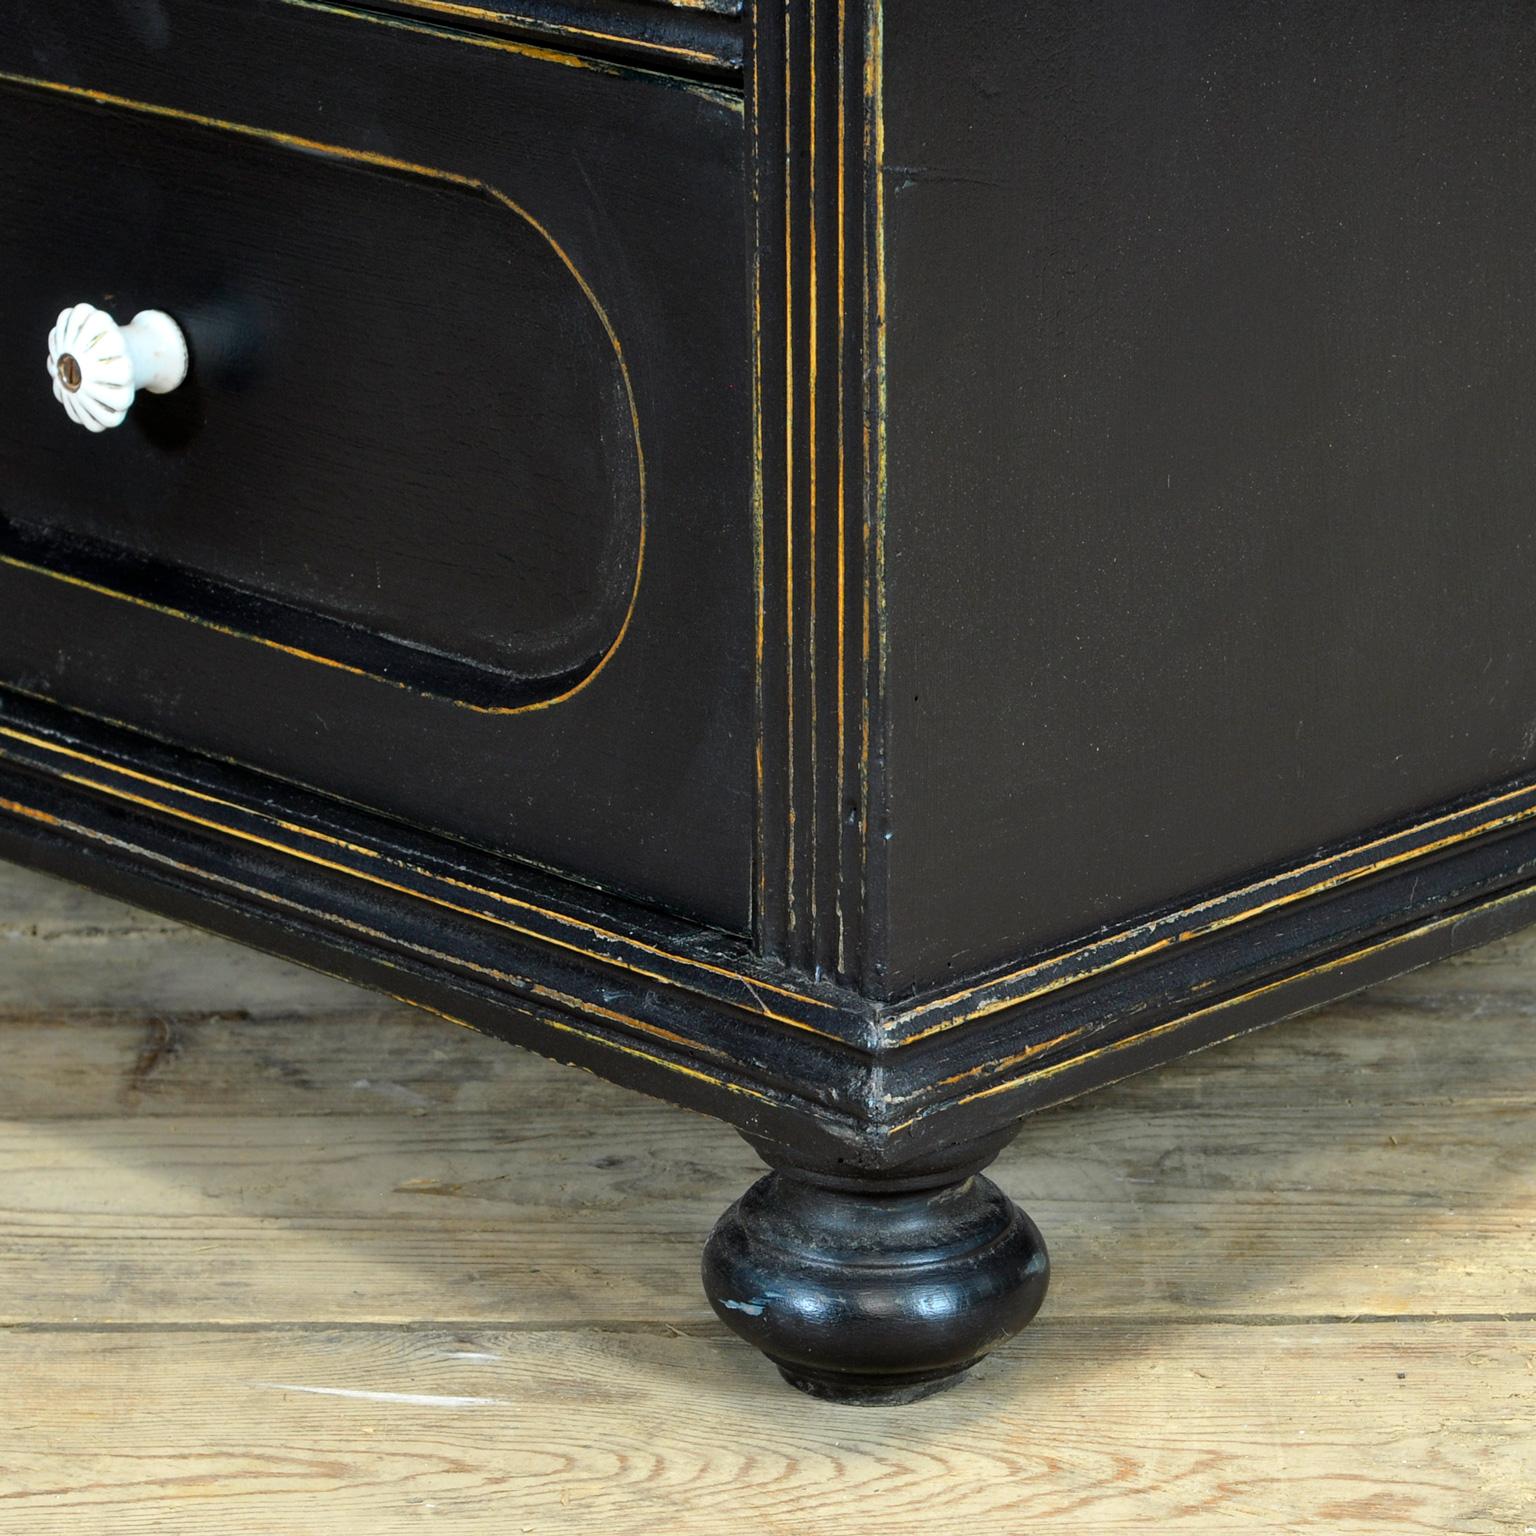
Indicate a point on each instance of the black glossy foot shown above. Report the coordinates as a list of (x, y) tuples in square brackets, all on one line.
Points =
[(861, 1292)]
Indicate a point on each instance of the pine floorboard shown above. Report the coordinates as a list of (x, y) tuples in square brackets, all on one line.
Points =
[(276, 1257)]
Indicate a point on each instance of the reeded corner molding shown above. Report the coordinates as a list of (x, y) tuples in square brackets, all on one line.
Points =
[(814, 114)]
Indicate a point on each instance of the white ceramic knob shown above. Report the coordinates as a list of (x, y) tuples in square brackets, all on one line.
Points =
[(98, 366)]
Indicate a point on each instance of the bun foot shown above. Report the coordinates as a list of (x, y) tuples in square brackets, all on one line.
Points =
[(874, 1292)]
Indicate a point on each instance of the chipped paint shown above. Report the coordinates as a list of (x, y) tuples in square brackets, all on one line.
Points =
[(750, 985), (565, 29)]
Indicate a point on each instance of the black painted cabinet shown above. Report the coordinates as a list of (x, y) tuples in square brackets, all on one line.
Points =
[(468, 424), (866, 567)]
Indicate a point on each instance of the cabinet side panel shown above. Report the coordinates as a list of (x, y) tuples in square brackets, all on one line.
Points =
[(1212, 354)]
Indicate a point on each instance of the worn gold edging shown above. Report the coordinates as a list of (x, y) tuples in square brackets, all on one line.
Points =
[(751, 985), (813, 468), (409, 168), (791, 912), (545, 994), (565, 29), (873, 648), (842, 469), (821, 873), (533, 50), (1337, 963), (607, 1043), (1189, 927)]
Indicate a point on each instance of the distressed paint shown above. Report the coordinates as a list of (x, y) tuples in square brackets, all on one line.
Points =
[(1510, 808), (674, 54), (427, 173), (812, 297), (530, 50), (748, 988)]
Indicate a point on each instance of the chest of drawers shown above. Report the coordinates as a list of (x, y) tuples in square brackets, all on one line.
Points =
[(864, 567)]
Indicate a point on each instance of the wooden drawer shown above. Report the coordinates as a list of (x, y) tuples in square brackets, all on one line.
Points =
[(452, 515), (702, 37), (410, 447)]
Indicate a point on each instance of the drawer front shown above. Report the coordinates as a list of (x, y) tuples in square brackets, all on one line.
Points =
[(399, 342), (704, 38), (452, 515)]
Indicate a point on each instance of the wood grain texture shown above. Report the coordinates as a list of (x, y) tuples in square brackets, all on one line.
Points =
[(64, 948), (1336, 1429), (532, 1213), (280, 1267), (375, 1163)]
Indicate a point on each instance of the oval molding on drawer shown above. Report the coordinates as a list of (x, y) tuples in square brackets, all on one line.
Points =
[(704, 38), (390, 363)]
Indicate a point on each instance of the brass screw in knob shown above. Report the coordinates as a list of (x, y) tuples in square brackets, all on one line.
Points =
[(69, 372)]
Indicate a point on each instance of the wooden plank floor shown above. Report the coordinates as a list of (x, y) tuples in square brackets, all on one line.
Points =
[(278, 1258)]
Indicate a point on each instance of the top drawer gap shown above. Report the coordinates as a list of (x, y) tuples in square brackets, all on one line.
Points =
[(695, 38)]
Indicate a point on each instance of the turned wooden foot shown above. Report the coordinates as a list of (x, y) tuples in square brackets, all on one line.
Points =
[(875, 1290)]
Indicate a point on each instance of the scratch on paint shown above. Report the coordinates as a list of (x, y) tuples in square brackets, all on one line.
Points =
[(414, 1399), (754, 1308)]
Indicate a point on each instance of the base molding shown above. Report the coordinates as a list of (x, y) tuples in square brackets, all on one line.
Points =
[(691, 1015)]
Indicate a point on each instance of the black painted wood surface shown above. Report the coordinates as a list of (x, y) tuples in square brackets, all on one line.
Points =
[(1212, 363), (704, 38), (417, 431), (1083, 611), (642, 781)]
